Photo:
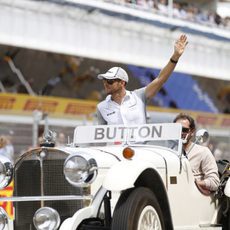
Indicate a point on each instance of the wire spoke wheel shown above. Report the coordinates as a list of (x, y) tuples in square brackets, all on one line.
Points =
[(149, 219)]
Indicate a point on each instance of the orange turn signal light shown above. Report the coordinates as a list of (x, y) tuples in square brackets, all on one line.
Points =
[(128, 153)]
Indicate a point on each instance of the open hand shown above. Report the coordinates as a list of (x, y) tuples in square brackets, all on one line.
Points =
[(180, 45)]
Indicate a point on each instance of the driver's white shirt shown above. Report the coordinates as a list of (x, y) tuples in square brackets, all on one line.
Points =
[(131, 111)]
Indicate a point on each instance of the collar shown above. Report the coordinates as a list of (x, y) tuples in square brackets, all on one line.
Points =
[(127, 96)]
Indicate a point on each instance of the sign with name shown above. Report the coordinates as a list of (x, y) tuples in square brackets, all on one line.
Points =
[(121, 133)]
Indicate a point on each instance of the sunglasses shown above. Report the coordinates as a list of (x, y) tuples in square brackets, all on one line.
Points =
[(111, 81), (185, 130)]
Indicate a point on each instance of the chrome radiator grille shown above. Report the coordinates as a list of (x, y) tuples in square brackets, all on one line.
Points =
[(34, 179)]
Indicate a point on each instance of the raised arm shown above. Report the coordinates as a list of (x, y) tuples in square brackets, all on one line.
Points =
[(153, 87)]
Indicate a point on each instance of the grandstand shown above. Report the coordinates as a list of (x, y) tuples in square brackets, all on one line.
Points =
[(56, 48)]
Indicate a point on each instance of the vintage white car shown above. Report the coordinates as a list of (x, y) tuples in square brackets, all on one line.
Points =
[(112, 177)]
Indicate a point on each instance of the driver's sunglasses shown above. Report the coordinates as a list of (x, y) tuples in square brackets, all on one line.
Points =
[(185, 130), (111, 81)]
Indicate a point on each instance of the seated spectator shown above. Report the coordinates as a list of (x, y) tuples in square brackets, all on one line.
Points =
[(6, 148), (162, 7), (61, 139), (181, 10)]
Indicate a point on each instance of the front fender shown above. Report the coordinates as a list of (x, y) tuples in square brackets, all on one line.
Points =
[(91, 211), (123, 175), (73, 222)]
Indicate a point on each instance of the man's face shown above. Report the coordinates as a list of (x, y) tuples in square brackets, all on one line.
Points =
[(113, 85), (187, 132)]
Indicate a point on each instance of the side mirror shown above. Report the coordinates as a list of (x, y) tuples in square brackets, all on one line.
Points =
[(227, 188), (202, 136)]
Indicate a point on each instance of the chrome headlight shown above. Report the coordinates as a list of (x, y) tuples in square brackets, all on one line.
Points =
[(6, 172), (80, 170), (3, 218), (46, 219)]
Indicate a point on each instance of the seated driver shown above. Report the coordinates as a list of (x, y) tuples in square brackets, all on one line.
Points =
[(203, 163)]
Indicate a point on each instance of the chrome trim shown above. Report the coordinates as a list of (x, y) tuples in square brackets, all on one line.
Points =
[(42, 155), (44, 198), (51, 221), (4, 215), (8, 171), (36, 151), (91, 169)]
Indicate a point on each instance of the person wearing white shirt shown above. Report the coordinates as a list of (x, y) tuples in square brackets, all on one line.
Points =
[(129, 107)]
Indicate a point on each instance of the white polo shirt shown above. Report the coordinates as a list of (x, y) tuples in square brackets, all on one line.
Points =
[(132, 109)]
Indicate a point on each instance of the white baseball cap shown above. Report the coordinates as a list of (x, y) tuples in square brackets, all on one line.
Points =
[(115, 73)]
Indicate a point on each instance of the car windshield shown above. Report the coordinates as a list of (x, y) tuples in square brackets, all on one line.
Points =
[(166, 135)]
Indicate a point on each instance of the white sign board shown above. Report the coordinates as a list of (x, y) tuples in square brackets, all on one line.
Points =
[(121, 133)]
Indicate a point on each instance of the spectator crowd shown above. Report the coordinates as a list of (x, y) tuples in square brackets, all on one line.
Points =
[(180, 10)]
